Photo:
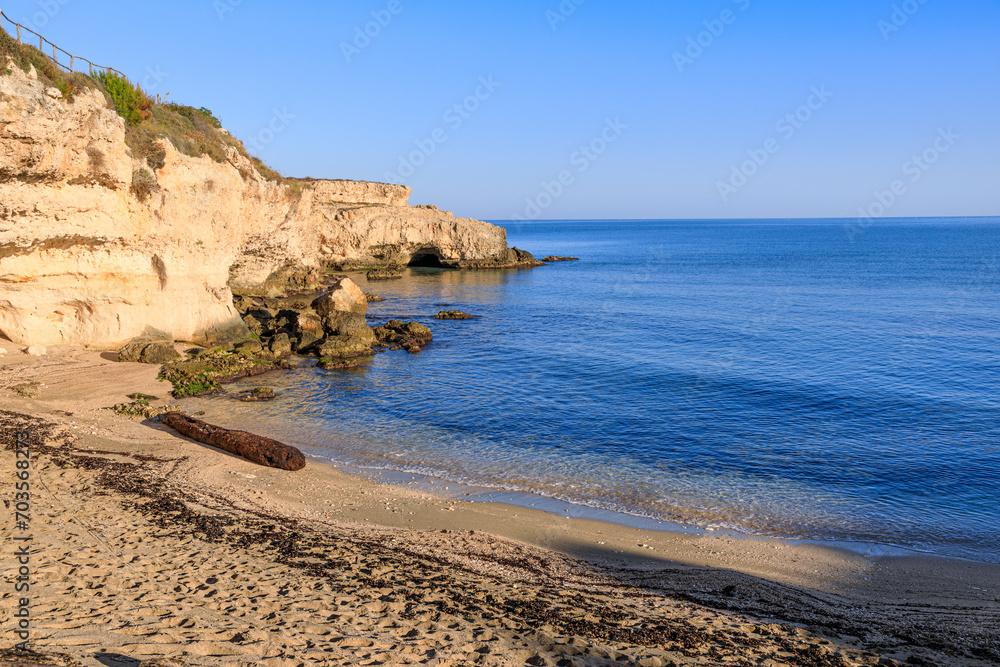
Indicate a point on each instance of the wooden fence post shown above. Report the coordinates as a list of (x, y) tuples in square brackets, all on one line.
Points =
[(18, 33), (71, 63)]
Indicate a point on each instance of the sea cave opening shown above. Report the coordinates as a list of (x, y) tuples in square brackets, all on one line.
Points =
[(427, 260)]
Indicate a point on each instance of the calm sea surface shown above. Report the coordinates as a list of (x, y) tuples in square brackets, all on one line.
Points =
[(794, 378)]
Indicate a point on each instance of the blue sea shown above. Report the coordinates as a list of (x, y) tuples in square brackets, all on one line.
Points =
[(809, 379)]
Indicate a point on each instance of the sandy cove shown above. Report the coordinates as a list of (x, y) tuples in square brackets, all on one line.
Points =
[(149, 545)]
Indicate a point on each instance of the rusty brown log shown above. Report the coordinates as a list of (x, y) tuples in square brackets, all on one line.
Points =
[(256, 448)]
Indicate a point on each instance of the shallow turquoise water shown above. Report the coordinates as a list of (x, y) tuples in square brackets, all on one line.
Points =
[(795, 378)]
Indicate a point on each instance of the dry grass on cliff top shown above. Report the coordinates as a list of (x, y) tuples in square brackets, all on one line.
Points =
[(26, 57), (193, 132)]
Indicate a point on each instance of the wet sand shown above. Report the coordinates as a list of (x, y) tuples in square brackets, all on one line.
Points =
[(147, 544)]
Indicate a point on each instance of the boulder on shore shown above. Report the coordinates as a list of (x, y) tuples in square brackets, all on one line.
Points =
[(146, 352), (308, 329), (342, 295), (281, 344)]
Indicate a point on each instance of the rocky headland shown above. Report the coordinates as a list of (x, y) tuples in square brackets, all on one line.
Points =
[(106, 237)]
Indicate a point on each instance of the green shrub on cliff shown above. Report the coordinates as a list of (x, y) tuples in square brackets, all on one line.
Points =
[(26, 57), (131, 101)]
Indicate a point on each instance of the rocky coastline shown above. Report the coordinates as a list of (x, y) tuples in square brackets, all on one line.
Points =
[(88, 259)]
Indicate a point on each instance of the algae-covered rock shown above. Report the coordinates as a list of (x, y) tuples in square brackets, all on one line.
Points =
[(207, 372), (252, 345), (258, 394), (141, 408)]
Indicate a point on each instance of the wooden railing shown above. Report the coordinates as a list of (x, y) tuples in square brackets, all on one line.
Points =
[(55, 50)]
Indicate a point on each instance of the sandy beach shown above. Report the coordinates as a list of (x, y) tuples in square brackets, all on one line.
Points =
[(148, 545)]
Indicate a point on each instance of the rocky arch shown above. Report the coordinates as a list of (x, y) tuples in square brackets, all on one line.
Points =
[(427, 257)]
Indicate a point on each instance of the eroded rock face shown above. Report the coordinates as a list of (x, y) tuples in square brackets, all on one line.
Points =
[(85, 261)]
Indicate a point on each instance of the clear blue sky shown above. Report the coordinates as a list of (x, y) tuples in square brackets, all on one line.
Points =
[(689, 122)]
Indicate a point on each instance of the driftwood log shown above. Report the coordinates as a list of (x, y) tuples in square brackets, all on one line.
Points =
[(256, 448)]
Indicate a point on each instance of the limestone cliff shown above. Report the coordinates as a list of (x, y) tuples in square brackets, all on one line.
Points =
[(88, 256)]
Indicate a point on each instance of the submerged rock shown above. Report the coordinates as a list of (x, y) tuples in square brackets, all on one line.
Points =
[(374, 298), (384, 274), (559, 258), (409, 336), (339, 364), (452, 315), (258, 394)]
